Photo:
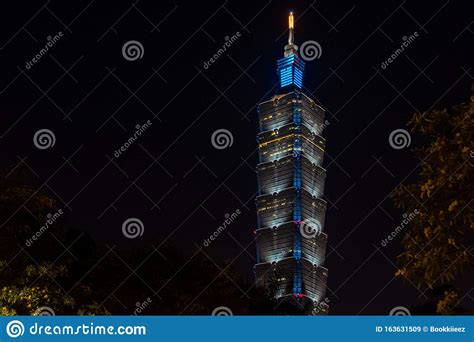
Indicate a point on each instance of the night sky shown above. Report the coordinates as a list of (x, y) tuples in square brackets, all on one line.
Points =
[(171, 177)]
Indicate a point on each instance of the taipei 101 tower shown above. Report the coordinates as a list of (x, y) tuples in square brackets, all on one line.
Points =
[(291, 243)]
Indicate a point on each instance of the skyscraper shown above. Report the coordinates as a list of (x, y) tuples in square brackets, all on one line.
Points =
[(291, 244)]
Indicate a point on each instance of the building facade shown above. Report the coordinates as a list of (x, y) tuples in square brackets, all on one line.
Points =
[(291, 243)]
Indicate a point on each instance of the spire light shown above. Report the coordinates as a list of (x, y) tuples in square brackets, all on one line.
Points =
[(291, 48)]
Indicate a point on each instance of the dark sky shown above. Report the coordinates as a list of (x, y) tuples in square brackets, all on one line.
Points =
[(172, 178)]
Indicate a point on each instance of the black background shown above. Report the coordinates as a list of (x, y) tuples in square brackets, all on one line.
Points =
[(172, 178)]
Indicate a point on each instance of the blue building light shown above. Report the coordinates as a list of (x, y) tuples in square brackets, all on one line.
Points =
[(290, 71)]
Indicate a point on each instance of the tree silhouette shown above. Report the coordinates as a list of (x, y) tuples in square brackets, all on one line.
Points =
[(91, 279), (437, 249)]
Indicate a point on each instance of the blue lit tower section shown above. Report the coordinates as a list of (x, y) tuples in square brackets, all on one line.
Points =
[(291, 185), (290, 70)]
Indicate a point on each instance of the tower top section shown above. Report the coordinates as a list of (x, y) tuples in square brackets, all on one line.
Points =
[(291, 67), (291, 48)]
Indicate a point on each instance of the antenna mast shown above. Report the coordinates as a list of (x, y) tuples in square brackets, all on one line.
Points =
[(291, 48)]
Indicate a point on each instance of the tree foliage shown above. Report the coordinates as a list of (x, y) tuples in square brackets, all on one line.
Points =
[(437, 249), (65, 270), (34, 274)]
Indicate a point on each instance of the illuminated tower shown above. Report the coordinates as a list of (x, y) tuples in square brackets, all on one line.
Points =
[(291, 244)]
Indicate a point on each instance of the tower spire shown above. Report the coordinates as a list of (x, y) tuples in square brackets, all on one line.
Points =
[(291, 48), (291, 26)]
